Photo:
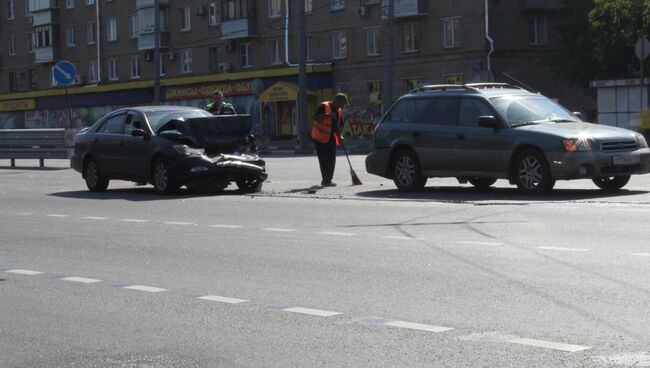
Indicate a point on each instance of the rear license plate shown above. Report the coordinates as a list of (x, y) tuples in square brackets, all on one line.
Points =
[(627, 160)]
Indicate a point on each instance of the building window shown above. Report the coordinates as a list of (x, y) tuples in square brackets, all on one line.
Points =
[(90, 2), (339, 45), (133, 26), (337, 4), (134, 66), (310, 47), (11, 10), (185, 18), (112, 69), (309, 6), (32, 76), (451, 32), (163, 20), (411, 38), (43, 36), (245, 51), (111, 30), (13, 81), (275, 7), (12, 45), (537, 35), (214, 13), (31, 42), (373, 41), (274, 52), (53, 81), (69, 4), (91, 33), (163, 70), (213, 59), (70, 35), (92, 72), (186, 61)]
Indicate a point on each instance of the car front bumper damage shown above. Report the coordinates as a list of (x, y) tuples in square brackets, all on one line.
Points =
[(217, 171)]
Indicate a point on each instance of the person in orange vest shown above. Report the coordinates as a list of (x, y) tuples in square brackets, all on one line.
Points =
[(328, 122)]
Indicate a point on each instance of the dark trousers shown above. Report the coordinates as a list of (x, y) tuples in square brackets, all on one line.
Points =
[(326, 159)]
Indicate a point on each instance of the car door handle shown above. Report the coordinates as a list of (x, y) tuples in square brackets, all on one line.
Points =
[(415, 134), (460, 136)]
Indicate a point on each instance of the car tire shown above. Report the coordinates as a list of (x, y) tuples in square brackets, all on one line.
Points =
[(611, 183), (531, 173), (249, 185), (160, 177), (407, 173), (482, 183), (95, 181)]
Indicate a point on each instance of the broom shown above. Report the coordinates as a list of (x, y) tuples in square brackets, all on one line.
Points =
[(355, 178)]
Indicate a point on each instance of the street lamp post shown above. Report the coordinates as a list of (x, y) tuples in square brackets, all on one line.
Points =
[(156, 52)]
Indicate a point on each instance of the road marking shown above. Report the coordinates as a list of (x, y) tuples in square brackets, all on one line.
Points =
[(24, 272), (561, 249), (178, 223), (57, 215), (279, 230), (94, 218), (396, 237), (550, 345), (226, 226), (25, 213), (222, 299), (311, 312), (134, 220), (470, 242), (149, 289), (641, 254), (335, 233), (83, 280), (418, 326)]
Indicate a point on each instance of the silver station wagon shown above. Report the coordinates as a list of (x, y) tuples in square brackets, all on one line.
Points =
[(479, 133)]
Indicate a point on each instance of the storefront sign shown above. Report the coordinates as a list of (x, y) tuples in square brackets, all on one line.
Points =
[(17, 105), (280, 91), (232, 88)]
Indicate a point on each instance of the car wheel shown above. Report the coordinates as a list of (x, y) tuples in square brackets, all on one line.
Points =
[(407, 173), (611, 183), (531, 173), (95, 181), (482, 183), (249, 185), (160, 177)]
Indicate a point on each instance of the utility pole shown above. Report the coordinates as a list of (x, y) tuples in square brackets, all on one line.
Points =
[(302, 77), (156, 52), (390, 57)]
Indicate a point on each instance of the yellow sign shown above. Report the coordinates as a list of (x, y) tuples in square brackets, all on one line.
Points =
[(280, 91), (17, 105)]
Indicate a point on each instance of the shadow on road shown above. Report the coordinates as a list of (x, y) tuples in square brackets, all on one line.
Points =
[(32, 168), (139, 194), (470, 194)]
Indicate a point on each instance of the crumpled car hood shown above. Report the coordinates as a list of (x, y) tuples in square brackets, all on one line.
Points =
[(215, 134)]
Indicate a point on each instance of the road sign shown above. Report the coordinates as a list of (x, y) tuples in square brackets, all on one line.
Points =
[(642, 48), (64, 72)]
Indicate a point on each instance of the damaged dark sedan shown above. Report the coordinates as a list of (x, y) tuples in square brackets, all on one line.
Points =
[(169, 147)]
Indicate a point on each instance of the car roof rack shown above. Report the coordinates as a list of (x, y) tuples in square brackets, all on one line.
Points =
[(464, 87)]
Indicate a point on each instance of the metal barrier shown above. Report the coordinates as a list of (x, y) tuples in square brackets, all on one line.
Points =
[(32, 144)]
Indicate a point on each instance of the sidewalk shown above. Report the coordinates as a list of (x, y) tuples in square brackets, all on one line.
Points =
[(288, 148)]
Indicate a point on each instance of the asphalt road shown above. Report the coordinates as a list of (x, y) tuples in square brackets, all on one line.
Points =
[(299, 276)]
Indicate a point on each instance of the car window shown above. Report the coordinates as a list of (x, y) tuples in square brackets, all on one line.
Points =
[(133, 122), (159, 118), (524, 109), (113, 125), (404, 112), (471, 109), (440, 111)]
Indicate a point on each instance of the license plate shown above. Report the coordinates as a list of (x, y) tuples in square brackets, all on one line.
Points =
[(627, 160)]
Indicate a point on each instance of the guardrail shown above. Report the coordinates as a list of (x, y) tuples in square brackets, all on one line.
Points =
[(32, 144)]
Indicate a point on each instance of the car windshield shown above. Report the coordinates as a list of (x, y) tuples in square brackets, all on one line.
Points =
[(158, 118), (522, 110)]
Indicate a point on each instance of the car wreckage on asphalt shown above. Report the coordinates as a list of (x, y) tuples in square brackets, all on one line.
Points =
[(169, 147)]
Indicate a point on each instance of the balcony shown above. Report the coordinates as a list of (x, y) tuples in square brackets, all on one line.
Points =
[(539, 5), (238, 28), (406, 8), (147, 41), (40, 5), (45, 17), (45, 55), (140, 4)]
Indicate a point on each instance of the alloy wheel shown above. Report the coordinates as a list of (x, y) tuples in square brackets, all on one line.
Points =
[(531, 172), (405, 170)]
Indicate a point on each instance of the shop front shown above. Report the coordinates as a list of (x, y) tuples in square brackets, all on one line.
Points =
[(280, 110)]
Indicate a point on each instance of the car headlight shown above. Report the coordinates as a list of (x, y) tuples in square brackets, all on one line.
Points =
[(573, 145), (185, 150), (643, 143)]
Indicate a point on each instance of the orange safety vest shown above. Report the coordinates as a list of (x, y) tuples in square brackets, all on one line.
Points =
[(322, 128)]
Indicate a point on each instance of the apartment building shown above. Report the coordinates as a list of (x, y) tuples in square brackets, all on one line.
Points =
[(248, 49)]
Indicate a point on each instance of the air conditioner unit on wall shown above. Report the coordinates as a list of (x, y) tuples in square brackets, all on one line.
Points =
[(225, 67), (201, 10), (362, 11)]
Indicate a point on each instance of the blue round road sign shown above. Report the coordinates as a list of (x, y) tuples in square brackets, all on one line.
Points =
[(64, 73)]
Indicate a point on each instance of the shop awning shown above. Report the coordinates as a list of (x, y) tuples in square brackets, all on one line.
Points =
[(282, 91)]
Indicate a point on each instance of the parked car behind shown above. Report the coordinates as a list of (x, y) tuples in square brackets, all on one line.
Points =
[(169, 146), (484, 132)]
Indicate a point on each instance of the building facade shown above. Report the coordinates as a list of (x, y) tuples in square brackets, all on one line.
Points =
[(248, 49)]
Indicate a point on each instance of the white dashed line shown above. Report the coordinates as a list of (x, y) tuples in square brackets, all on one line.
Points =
[(469, 242), (335, 233), (220, 226), (311, 312), (57, 215), (134, 220), (550, 345), (395, 237), (149, 289), (178, 223), (24, 272), (641, 254), (560, 249), (94, 218), (222, 299), (418, 326), (25, 213), (279, 230), (82, 280)]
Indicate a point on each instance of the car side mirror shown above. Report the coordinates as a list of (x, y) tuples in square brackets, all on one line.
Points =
[(138, 133), (488, 122)]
